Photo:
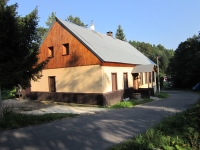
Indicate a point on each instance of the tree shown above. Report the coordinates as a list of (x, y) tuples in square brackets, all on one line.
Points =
[(120, 34), (41, 32), (184, 66), (76, 20), (19, 45), (51, 19), (152, 52)]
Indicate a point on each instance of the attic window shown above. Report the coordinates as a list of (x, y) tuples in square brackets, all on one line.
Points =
[(66, 49), (50, 51)]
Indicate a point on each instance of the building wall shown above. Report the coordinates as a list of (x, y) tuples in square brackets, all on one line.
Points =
[(79, 55), (84, 85), (82, 79), (107, 81)]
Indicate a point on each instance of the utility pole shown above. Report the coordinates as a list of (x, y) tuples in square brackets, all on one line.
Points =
[(158, 76)]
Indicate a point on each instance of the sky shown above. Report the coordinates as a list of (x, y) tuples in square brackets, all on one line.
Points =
[(165, 22)]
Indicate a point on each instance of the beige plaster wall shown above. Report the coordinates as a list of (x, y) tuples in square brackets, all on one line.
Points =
[(83, 79), (107, 81)]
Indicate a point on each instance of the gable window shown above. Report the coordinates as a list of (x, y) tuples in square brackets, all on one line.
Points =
[(114, 81), (50, 51), (125, 80), (65, 49), (52, 84)]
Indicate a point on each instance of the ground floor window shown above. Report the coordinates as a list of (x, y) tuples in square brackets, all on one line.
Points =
[(125, 80)]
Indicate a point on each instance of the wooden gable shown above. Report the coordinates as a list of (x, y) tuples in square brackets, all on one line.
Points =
[(64, 50)]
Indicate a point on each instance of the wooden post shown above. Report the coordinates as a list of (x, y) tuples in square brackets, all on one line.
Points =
[(158, 76), (135, 81)]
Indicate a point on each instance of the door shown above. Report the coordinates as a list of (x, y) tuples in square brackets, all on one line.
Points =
[(52, 84)]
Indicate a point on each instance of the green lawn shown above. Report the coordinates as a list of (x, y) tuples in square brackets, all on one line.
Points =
[(130, 103), (12, 120), (162, 95)]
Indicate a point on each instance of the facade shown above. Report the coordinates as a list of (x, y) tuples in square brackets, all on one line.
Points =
[(89, 67)]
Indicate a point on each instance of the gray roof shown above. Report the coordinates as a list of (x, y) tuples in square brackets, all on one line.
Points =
[(106, 48), (143, 68)]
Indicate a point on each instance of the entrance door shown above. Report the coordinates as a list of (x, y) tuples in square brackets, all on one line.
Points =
[(52, 84)]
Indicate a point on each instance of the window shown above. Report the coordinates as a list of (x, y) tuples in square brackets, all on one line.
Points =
[(149, 77), (125, 80), (52, 84), (114, 81), (66, 49), (153, 76), (50, 51)]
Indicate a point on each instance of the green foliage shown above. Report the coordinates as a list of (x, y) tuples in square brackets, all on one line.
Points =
[(7, 94), (162, 95), (76, 20), (19, 44), (41, 32), (152, 52), (178, 132), (120, 34), (184, 66), (130, 103), (51, 19)]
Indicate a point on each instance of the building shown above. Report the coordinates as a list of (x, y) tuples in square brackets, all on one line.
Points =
[(89, 67)]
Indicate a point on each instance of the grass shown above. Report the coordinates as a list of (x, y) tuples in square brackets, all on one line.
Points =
[(12, 120), (8, 94), (162, 95), (130, 103), (178, 132)]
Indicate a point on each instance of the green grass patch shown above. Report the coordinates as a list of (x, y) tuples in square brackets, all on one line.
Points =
[(13, 120), (178, 132), (8, 94), (162, 95), (130, 103)]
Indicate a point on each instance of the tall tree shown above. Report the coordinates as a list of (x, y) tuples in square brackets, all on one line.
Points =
[(184, 66), (19, 47), (41, 32), (152, 52), (120, 34), (76, 20), (51, 19)]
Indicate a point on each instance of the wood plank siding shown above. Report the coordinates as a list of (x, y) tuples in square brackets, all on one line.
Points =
[(77, 54)]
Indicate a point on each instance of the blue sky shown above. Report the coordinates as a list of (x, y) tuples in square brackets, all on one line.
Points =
[(165, 22)]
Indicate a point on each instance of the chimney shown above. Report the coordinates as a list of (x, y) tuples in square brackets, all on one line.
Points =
[(92, 25), (109, 33)]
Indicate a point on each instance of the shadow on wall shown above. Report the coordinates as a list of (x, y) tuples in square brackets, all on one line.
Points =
[(74, 59)]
